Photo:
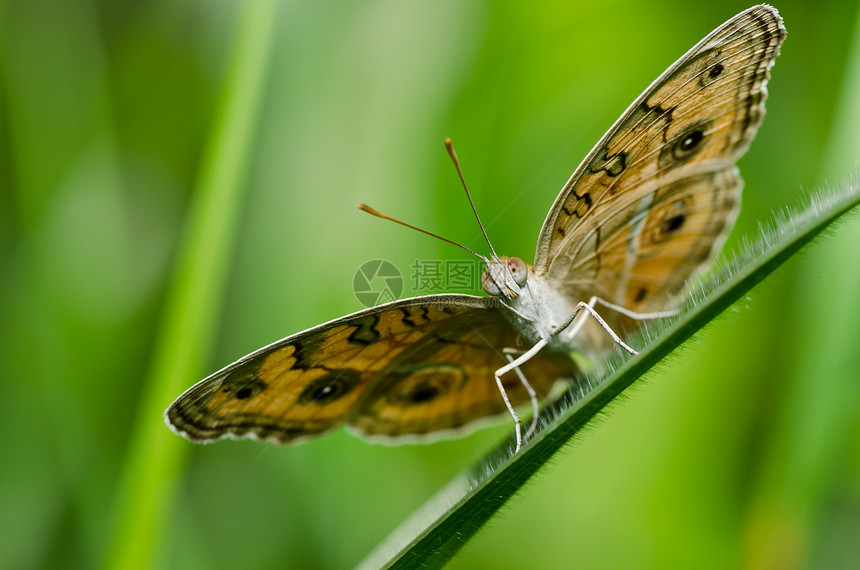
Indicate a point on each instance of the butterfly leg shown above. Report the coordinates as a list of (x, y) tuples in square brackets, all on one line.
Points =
[(577, 326), (634, 314), (532, 394), (513, 364)]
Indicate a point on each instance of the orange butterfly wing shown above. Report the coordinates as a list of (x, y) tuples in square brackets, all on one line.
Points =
[(657, 195), (408, 369)]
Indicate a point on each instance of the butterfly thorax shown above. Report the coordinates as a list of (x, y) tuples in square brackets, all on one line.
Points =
[(538, 311)]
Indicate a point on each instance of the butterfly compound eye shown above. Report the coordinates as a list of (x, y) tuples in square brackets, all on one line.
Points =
[(518, 270), (489, 285)]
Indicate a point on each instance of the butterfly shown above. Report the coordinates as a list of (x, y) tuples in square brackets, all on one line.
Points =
[(647, 207)]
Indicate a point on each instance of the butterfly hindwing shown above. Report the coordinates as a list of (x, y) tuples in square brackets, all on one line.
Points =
[(686, 219), (446, 379)]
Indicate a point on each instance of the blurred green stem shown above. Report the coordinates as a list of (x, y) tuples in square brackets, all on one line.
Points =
[(155, 455), (817, 416)]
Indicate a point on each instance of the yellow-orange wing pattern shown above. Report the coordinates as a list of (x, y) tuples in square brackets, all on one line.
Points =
[(412, 369), (655, 198)]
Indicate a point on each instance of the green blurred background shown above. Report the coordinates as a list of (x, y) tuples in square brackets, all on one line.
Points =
[(742, 451)]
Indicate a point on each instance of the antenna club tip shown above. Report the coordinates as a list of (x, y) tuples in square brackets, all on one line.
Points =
[(449, 146)]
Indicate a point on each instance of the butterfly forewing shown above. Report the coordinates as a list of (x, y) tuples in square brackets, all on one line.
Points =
[(408, 368), (655, 197)]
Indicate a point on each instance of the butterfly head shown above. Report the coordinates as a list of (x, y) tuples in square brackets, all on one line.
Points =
[(504, 277)]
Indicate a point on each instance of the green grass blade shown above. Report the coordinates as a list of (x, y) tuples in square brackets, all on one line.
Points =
[(155, 455), (434, 534)]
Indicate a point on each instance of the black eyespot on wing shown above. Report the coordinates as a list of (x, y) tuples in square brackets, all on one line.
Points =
[(691, 141), (673, 224), (716, 70), (640, 295), (329, 387), (669, 217), (422, 393), (243, 393), (685, 145), (711, 67), (423, 383), (242, 387)]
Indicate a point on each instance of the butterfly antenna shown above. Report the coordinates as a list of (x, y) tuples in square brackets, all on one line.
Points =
[(369, 210), (450, 146)]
